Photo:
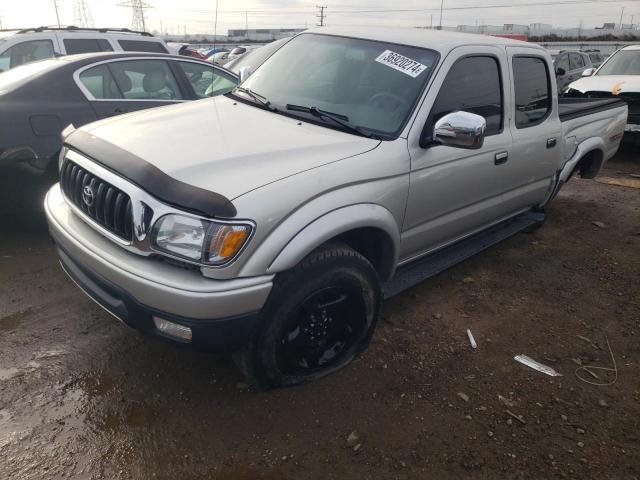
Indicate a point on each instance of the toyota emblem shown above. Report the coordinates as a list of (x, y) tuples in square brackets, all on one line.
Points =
[(87, 196)]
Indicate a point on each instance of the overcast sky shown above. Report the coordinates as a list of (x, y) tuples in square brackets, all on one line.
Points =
[(198, 15)]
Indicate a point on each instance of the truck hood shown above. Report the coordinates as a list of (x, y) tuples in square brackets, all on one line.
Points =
[(615, 84), (225, 146)]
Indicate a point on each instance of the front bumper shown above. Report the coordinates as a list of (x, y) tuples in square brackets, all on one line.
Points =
[(221, 313)]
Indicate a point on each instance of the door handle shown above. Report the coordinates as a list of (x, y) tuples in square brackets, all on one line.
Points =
[(501, 158), (121, 110), (551, 142)]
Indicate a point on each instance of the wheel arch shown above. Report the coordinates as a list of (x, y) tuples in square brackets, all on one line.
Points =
[(369, 229)]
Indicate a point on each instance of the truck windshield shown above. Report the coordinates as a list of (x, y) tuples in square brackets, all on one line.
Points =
[(371, 85), (625, 62)]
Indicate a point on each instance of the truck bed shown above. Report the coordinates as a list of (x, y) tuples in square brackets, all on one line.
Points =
[(569, 108)]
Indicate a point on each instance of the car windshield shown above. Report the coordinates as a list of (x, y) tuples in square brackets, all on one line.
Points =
[(625, 62), (372, 85), (18, 76)]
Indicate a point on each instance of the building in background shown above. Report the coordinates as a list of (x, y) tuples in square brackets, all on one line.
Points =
[(262, 34)]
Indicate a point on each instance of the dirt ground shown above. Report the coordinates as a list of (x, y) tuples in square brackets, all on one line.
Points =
[(83, 397)]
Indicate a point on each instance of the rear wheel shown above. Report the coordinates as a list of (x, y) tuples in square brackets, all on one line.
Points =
[(319, 317)]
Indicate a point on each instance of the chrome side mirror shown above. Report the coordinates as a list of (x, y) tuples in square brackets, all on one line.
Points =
[(588, 72), (460, 130), (245, 72)]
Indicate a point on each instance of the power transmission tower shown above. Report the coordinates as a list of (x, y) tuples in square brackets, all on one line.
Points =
[(55, 6), (321, 15), (82, 15), (137, 7)]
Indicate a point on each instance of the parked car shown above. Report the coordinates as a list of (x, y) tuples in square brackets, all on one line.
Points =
[(617, 77), (219, 58), (570, 66), (255, 58), (240, 51), (18, 47), (596, 57), (353, 164), (38, 100)]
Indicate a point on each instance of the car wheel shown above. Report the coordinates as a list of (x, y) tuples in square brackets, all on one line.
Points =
[(318, 318)]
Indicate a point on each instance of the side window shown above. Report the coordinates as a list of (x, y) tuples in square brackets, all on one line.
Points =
[(142, 46), (99, 81), (563, 63), (86, 45), (206, 81), (472, 85), (145, 80), (26, 52), (532, 90), (577, 61)]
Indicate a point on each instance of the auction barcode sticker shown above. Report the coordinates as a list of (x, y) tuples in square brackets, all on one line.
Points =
[(401, 63)]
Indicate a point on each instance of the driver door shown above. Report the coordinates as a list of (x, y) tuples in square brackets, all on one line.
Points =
[(454, 191)]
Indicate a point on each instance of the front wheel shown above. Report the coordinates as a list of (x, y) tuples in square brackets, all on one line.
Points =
[(319, 317)]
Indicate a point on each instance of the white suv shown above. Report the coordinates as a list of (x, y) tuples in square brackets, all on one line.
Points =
[(18, 47)]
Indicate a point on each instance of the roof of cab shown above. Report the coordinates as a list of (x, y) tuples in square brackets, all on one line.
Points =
[(631, 47), (439, 40)]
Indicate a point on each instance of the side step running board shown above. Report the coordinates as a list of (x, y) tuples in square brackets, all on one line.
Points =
[(410, 275)]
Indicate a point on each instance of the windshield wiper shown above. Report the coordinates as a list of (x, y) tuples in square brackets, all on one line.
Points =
[(258, 98), (341, 120)]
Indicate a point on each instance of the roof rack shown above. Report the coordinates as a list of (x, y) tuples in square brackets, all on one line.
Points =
[(72, 28)]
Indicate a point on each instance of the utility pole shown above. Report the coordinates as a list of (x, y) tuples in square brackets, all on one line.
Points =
[(82, 15), (321, 15), (138, 7), (55, 6), (0, 23), (621, 13), (441, 5), (246, 24), (431, 27)]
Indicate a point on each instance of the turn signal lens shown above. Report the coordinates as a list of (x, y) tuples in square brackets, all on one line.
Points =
[(226, 241)]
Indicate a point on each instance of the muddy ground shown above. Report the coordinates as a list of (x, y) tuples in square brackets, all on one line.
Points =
[(82, 396)]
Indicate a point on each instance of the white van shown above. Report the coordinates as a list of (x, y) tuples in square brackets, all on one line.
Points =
[(18, 47)]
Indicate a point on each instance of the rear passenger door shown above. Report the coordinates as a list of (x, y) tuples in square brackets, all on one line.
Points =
[(535, 127), (122, 86), (453, 191)]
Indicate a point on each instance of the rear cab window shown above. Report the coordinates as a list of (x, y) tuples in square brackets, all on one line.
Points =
[(86, 45), (142, 46), (532, 87)]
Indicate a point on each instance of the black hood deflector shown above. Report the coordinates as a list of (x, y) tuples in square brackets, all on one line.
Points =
[(150, 178)]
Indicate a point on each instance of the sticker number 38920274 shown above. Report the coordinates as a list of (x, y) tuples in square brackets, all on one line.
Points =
[(401, 63)]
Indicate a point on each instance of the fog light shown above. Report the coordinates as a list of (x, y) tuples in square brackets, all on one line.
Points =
[(173, 329)]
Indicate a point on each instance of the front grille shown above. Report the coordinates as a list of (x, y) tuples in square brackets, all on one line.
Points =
[(105, 204)]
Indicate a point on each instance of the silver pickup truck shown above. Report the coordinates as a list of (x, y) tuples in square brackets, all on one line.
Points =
[(350, 166)]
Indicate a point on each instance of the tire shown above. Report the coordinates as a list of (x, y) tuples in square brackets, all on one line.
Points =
[(319, 316)]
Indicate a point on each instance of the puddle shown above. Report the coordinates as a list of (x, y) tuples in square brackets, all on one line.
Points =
[(13, 321), (136, 415), (97, 384)]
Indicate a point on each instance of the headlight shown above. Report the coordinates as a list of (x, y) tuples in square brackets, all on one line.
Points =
[(200, 241)]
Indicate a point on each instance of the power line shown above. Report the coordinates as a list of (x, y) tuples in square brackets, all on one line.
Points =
[(138, 7), (321, 15), (82, 15)]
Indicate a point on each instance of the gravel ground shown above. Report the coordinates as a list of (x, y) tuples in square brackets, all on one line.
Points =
[(82, 396)]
